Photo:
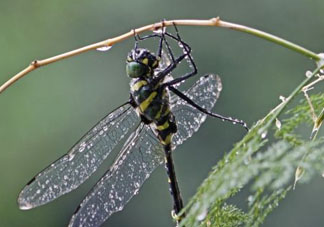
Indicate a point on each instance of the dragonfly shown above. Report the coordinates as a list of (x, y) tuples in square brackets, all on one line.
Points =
[(154, 120)]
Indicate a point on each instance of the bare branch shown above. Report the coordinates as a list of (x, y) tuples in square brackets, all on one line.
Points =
[(110, 42)]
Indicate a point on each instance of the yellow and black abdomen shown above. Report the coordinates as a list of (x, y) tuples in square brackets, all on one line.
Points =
[(152, 103)]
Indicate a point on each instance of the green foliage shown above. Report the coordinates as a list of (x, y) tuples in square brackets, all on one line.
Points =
[(297, 116), (225, 216), (265, 165), (261, 206), (222, 214)]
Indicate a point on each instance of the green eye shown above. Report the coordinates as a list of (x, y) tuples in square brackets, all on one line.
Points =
[(135, 69)]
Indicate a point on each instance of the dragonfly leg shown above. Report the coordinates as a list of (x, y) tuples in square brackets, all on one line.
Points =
[(192, 103), (175, 61), (161, 36)]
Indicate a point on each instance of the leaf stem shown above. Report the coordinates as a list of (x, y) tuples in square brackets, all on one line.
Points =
[(294, 93), (271, 38)]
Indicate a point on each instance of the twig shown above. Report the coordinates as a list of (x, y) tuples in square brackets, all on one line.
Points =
[(317, 120), (110, 42)]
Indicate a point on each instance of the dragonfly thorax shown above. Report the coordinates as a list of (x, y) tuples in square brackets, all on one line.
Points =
[(141, 63), (152, 102)]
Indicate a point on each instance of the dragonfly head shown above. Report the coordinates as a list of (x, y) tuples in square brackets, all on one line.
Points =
[(141, 63)]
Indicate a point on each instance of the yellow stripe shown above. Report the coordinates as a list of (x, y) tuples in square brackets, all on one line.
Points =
[(138, 85), (166, 112), (143, 106), (155, 63), (164, 126), (158, 115), (145, 61), (167, 140)]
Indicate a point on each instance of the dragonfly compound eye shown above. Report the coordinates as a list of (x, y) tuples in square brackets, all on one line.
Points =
[(136, 69)]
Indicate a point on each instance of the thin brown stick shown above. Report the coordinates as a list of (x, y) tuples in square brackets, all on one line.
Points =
[(110, 42), (106, 43)]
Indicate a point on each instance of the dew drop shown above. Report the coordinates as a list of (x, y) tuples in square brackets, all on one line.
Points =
[(282, 98), (202, 215), (71, 156), (157, 31), (180, 44), (25, 205), (278, 124), (136, 191), (250, 199), (308, 74), (264, 134), (82, 146), (104, 48)]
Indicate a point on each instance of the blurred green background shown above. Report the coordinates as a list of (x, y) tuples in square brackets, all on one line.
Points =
[(48, 111)]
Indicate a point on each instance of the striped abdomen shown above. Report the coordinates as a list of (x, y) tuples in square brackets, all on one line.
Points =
[(152, 104)]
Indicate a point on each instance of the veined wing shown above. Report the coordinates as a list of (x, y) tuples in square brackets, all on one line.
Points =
[(165, 62), (72, 169), (141, 154), (205, 93)]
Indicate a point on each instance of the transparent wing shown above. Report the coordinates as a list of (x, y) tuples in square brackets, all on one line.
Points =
[(205, 93), (165, 62), (141, 154), (71, 170)]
